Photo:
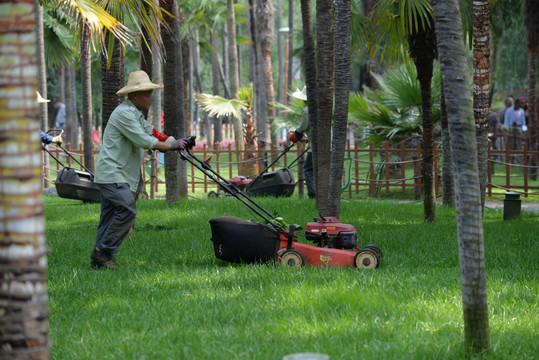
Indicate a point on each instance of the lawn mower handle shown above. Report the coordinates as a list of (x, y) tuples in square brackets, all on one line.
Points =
[(232, 189)]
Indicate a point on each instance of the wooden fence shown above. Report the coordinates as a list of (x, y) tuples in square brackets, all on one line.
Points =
[(369, 170)]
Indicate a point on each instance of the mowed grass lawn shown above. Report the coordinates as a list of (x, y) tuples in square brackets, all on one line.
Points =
[(172, 299)]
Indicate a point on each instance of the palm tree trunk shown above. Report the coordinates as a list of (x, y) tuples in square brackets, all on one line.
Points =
[(86, 80), (23, 299), (61, 91), (146, 58), (532, 110), (342, 85), (180, 100), (324, 86), (290, 46), (427, 166), (452, 54), (309, 57), (448, 183), (233, 69), (532, 27), (279, 96), (72, 120), (156, 79), (265, 35), (423, 51), (170, 107), (215, 85), (259, 113), (42, 83), (112, 80), (481, 86)]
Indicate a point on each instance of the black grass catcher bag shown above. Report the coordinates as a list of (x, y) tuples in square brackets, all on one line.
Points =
[(238, 240), (275, 183), (78, 185)]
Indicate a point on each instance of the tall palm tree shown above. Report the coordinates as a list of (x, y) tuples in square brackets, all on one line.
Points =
[(532, 27), (170, 108), (180, 98), (234, 81), (265, 29), (42, 83), (324, 98), (342, 85), (448, 183), (23, 299), (86, 82), (309, 57), (464, 150), (422, 42), (481, 86), (412, 20), (112, 80)]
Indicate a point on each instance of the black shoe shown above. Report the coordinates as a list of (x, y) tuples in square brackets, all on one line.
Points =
[(100, 260)]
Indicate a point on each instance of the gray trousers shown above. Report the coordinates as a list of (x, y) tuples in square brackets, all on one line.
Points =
[(118, 213)]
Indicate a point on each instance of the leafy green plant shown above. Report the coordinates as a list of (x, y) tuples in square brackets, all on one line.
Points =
[(393, 113)]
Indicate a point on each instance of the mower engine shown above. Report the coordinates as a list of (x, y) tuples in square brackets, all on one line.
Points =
[(329, 233)]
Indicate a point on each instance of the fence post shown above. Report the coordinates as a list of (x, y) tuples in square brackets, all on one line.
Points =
[(218, 159), (419, 165), (350, 175), (301, 161), (356, 166), (436, 170), (490, 167), (230, 161), (153, 175), (205, 152), (371, 169), (507, 168), (525, 163), (68, 158), (403, 169), (386, 165)]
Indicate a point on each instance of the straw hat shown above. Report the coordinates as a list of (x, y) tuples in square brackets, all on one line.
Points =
[(138, 81), (40, 98), (300, 94)]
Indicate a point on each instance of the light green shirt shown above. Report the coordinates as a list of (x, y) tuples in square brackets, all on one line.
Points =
[(126, 136), (303, 126)]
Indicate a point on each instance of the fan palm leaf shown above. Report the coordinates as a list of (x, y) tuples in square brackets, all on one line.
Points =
[(218, 106)]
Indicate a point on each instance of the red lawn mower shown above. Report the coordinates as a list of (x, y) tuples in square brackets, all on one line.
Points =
[(238, 240)]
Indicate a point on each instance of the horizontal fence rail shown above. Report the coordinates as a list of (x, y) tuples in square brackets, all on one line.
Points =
[(369, 171)]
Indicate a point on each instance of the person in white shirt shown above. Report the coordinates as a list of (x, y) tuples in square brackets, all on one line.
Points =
[(514, 116)]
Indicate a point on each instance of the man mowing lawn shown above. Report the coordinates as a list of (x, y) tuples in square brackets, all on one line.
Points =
[(118, 169)]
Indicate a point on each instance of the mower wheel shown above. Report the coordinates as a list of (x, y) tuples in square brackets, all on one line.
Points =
[(291, 258), (375, 249), (366, 259), (143, 196), (213, 194)]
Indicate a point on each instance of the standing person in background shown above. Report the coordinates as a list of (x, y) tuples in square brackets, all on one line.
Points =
[(118, 169), (61, 116), (496, 125), (46, 138), (514, 116), (297, 135)]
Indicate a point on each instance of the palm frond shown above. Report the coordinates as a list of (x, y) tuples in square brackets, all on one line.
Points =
[(219, 106)]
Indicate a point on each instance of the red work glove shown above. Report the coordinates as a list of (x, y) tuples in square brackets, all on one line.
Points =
[(178, 144), (295, 136)]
